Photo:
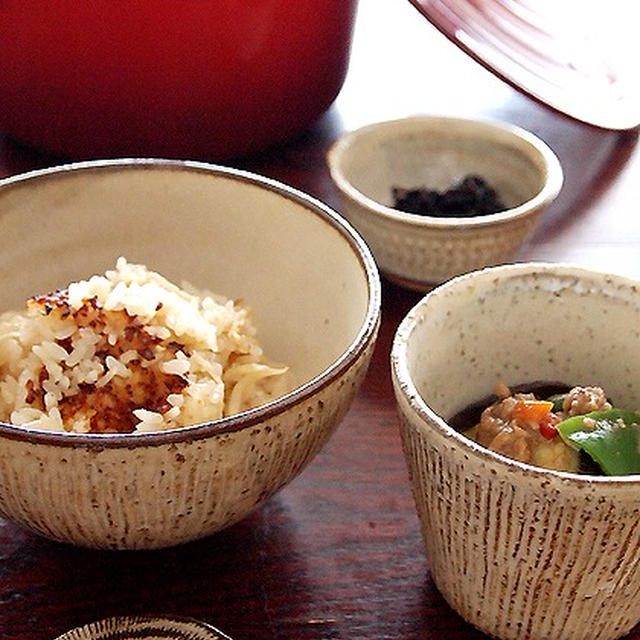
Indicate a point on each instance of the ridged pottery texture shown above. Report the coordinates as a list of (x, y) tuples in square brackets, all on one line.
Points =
[(157, 628), (416, 255), (520, 552), (151, 496), (314, 291)]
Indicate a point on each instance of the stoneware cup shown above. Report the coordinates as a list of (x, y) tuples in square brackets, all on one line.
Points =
[(518, 551), (436, 152)]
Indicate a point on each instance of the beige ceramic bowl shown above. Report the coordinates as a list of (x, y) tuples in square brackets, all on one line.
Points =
[(436, 152), (518, 551), (315, 293)]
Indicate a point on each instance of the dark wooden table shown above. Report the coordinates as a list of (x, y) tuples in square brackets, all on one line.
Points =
[(337, 553)]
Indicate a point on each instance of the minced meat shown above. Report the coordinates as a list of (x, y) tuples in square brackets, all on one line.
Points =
[(522, 427)]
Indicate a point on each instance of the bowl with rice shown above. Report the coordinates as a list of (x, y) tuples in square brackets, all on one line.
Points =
[(177, 341)]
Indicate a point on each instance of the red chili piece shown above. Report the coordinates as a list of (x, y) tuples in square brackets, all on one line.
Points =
[(547, 428)]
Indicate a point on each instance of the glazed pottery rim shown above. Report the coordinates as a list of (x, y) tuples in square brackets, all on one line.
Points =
[(430, 419), (245, 419), (144, 619), (553, 175)]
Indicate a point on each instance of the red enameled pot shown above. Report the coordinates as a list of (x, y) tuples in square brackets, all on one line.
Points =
[(205, 79)]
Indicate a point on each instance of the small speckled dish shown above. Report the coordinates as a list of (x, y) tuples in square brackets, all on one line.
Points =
[(145, 628), (521, 552), (309, 279), (436, 152)]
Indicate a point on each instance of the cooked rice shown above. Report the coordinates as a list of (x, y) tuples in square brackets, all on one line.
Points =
[(130, 351)]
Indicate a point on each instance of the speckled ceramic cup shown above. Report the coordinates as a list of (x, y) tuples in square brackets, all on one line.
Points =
[(419, 251), (521, 552), (314, 291), (145, 628)]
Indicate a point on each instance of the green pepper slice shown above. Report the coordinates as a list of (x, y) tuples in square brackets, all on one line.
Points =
[(611, 438), (558, 401)]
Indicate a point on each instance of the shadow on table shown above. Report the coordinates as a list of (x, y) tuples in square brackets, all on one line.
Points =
[(223, 580)]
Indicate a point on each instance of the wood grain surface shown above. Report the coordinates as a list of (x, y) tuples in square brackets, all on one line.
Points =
[(337, 554)]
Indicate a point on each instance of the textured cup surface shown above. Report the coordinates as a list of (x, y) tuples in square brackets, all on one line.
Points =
[(315, 295), (518, 551), (146, 628), (436, 152)]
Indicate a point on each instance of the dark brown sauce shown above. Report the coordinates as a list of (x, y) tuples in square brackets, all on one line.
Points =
[(470, 415)]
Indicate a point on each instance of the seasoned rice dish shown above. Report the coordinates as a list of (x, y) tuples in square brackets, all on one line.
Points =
[(130, 351)]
